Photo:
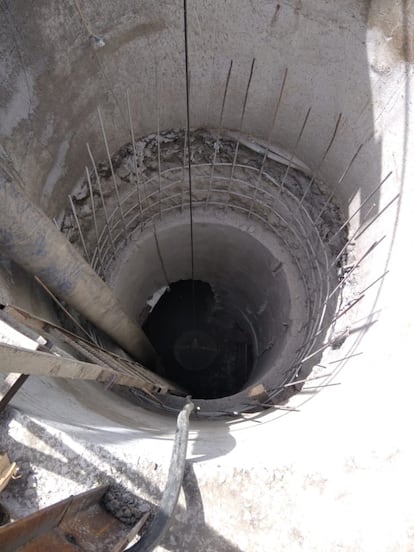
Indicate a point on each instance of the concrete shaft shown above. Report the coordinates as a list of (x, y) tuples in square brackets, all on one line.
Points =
[(31, 239), (338, 474)]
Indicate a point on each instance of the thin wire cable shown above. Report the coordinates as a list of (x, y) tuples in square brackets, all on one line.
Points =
[(190, 186)]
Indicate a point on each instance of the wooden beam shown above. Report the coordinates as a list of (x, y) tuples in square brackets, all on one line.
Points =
[(21, 361), (150, 379)]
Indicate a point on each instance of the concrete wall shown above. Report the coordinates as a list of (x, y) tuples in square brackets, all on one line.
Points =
[(341, 467)]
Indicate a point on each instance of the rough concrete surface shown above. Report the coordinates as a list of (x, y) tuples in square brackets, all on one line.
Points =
[(337, 475)]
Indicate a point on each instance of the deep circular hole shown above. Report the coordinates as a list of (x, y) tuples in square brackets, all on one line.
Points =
[(265, 244), (250, 305), (204, 344)]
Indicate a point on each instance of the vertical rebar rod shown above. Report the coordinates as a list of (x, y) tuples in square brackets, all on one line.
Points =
[(158, 109), (220, 128), (134, 151), (341, 179), (63, 308), (184, 158), (295, 148), (95, 223), (243, 112), (325, 153), (269, 136), (108, 154), (79, 229), (98, 180)]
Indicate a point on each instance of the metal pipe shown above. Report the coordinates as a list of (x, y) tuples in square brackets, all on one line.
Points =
[(30, 239)]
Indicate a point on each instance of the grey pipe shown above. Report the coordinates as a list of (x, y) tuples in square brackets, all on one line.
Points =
[(31, 240)]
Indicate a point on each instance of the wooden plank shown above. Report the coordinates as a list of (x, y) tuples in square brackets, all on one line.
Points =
[(7, 470), (13, 359), (259, 393), (150, 380)]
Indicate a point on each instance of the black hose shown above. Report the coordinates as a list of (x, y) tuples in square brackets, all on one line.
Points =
[(169, 500)]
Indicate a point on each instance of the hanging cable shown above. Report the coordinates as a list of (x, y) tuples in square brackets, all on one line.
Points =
[(190, 187), (187, 92)]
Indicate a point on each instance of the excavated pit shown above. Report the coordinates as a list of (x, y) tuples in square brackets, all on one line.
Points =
[(266, 237), (304, 480), (205, 345)]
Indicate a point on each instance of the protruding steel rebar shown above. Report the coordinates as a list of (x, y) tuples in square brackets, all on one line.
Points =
[(350, 240), (79, 229), (364, 227), (243, 112), (220, 128), (345, 358), (348, 220), (339, 315), (362, 293), (304, 380), (377, 216), (63, 308), (321, 162), (271, 130), (98, 180), (333, 384), (134, 152), (343, 176), (356, 265), (295, 148), (108, 154), (158, 109), (95, 223)]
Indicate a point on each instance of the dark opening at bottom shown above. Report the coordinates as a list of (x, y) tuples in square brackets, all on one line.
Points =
[(204, 344)]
